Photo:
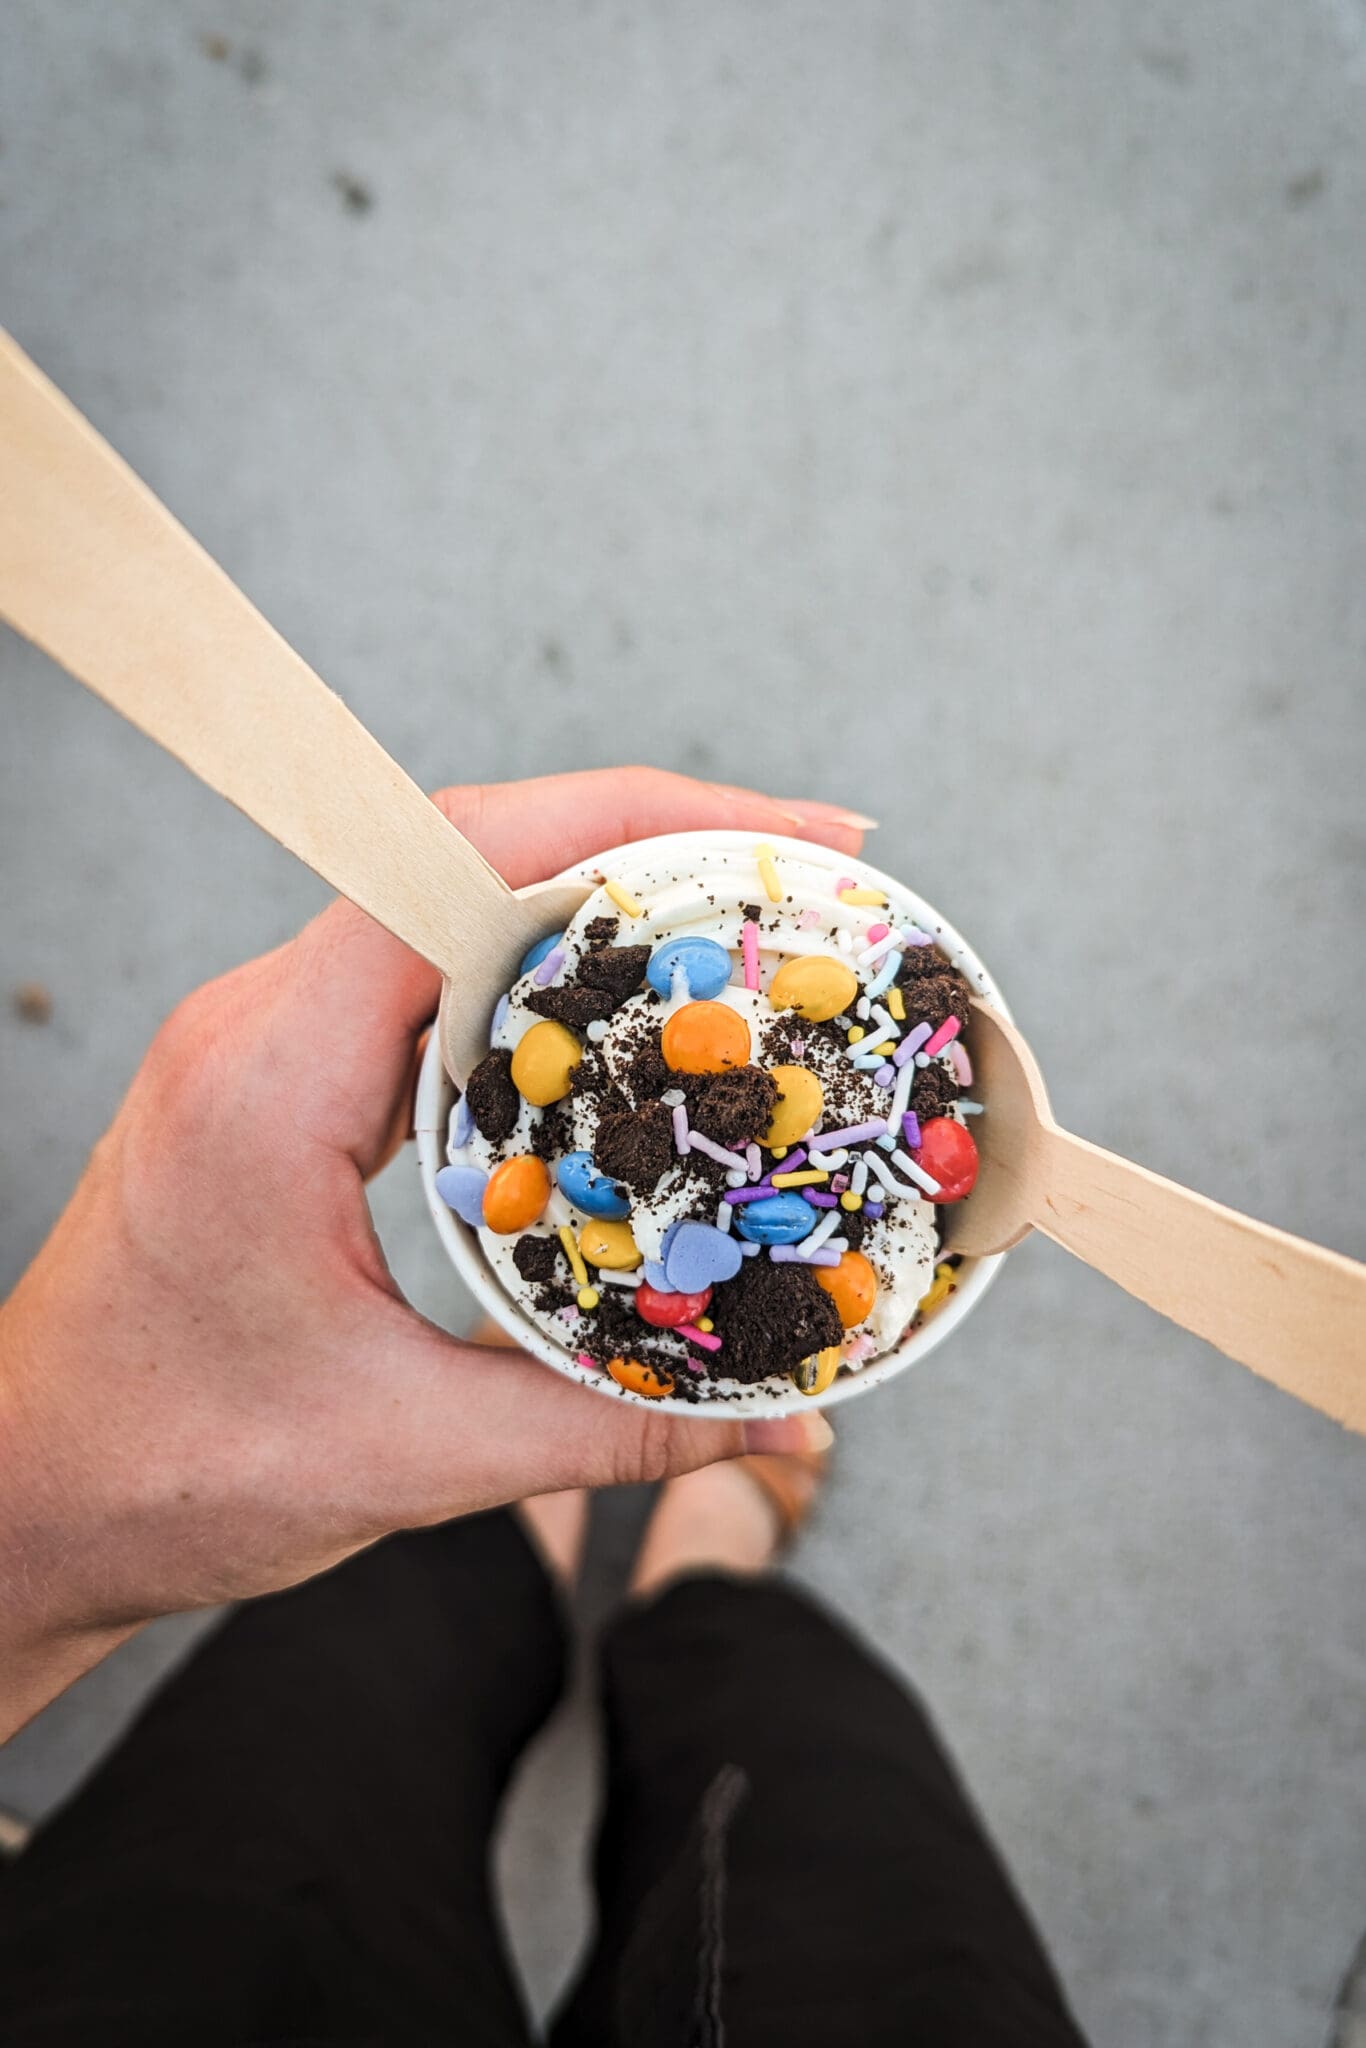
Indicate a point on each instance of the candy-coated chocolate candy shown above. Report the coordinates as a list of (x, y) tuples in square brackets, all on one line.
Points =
[(544, 1059), (704, 1038), (816, 1373), (540, 951), (941, 1287), (640, 1379), (948, 1153), (666, 1310), (462, 1188), (705, 966), (800, 1102), (610, 1245), (815, 987), (778, 1219), (590, 1189), (462, 1122), (516, 1194), (698, 1255), (852, 1285)]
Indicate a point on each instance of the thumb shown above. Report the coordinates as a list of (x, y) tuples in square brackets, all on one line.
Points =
[(477, 1425)]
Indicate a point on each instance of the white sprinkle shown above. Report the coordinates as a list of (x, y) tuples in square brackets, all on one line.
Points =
[(673, 1098), (735, 1179), (890, 1027), (616, 1278), (837, 1244), (901, 1095), (876, 951), (887, 974), (858, 1179), (862, 1009), (725, 1212), (843, 941), (843, 1023), (750, 1251), (835, 1160), (887, 1142), (922, 1059), (970, 1108), (753, 1163), (889, 1179), (917, 1173), (827, 1227), (597, 1030)]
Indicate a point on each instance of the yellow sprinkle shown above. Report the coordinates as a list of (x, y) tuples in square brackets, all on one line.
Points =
[(589, 1297), (768, 874), (571, 1252), (855, 1033), (888, 1045), (624, 900), (849, 1200), (778, 1151), (896, 1003), (801, 1180), (705, 1325), (862, 896)]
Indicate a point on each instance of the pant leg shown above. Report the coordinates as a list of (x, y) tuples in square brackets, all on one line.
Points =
[(293, 1840), (787, 1856)]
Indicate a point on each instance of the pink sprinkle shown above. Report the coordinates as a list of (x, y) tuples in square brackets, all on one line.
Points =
[(749, 939), (549, 967), (590, 1364), (808, 920), (876, 932), (567, 1315), (910, 1124), (961, 1064), (949, 1029), (702, 1337), (820, 1201), (681, 1138), (845, 882), (796, 1046), (858, 1349), (910, 1045), (838, 1183), (786, 1254), (853, 1134), (754, 1165)]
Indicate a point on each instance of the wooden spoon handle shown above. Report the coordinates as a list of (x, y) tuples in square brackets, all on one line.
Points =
[(96, 572), (1292, 1311)]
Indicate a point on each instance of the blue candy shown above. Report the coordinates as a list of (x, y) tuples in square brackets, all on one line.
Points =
[(500, 1012), (534, 956), (462, 1123), (658, 1278), (698, 1255), (591, 1190), (777, 1219), (705, 966), (462, 1188)]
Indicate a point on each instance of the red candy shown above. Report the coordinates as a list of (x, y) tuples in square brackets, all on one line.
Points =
[(949, 1153), (667, 1311)]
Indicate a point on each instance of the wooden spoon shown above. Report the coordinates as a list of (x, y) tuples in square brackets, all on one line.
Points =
[(1293, 1312), (94, 570)]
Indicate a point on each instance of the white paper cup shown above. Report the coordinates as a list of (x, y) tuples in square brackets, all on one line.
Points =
[(726, 1401)]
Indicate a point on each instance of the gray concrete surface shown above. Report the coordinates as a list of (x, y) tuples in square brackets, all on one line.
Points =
[(953, 409)]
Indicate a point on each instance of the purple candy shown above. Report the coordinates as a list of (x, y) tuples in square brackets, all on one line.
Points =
[(462, 1123), (698, 1255), (462, 1188)]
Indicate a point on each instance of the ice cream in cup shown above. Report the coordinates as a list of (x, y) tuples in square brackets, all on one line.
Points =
[(705, 1161)]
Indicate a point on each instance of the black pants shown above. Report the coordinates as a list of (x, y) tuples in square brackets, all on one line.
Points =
[(292, 1844)]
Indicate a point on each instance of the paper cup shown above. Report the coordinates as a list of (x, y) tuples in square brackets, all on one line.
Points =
[(725, 1401)]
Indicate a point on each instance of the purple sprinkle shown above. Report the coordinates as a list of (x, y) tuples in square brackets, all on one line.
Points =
[(885, 1075), (910, 1124), (818, 1200), (785, 1254), (873, 1209), (795, 1158), (915, 937), (549, 967), (759, 1194), (830, 1141), (911, 1044)]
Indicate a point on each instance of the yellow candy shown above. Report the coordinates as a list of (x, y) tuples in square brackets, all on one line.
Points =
[(944, 1284), (800, 1102), (816, 1373), (815, 987), (543, 1062), (610, 1245)]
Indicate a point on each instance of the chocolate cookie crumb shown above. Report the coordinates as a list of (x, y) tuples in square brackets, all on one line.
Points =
[(736, 1106), (935, 991), (934, 1091), (492, 1096), (602, 931), (551, 1135), (751, 911), (617, 970), (769, 1318), (578, 1007), (635, 1145), (536, 1257)]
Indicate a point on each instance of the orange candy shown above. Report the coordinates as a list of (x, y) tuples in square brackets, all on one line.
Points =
[(705, 1038), (853, 1286), (640, 1379), (516, 1193)]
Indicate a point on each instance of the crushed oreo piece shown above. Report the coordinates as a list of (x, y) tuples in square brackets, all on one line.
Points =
[(735, 1106), (577, 1007), (492, 1096), (769, 1318), (536, 1257), (617, 970), (635, 1145), (935, 991), (933, 1091), (602, 931), (751, 911), (552, 1134)]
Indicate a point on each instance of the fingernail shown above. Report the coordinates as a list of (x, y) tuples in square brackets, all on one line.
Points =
[(831, 814), (790, 1433)]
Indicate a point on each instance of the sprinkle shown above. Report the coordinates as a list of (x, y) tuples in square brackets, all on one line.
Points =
[(808, 920), (901, 1096), (820, 1200), (691, 1363), (896, 1003), (567, 1315), (795, 1158), (858, 1180), (949, 1029), (768, 874), (836, 1244), (853, 1134), (682, 1136), (915, 937), (696, 1336), (790, 1254), (596, 1031), (736, 1179), (778, 1151), (812, 1175), (970, 1108), (573, 1254), (673, 1098), (910, 1128), (839, 1157), (922, 1059), (697, 1143), (723, 1215), (704, 1323), (678, 984), (549, 967), (749, 940), (845, 882), (812, 1243), (796, 1046), (588, 1364), (887, 1142), (891, 967), (917, 1173), (959, 1061), (619, 1279), (860, 896), (884, 936), (873, 1209), (736, 1195), (911, 1044), (843, 941), (856, 1032), (500, 1017), (885, 1075), (750, 1251), (849, 1200), (876, 932), (624, 900), (863, 1009), (754, 1164), (886, 1020), (888, 1178), (839, 1182), (588, 1298)]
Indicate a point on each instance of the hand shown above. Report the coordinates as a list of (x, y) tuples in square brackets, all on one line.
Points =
[(210, 1386)]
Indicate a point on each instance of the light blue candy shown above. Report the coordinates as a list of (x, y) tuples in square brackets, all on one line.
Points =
[(698, 1255), (500, 1012), (778, 1219), (705, 965), (657, 1278), (462, 1188), (462, 1123), (538, 952), (590, 1189)]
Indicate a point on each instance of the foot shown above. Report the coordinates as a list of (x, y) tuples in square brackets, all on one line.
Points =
[(556, 1523), (732, 1517)]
